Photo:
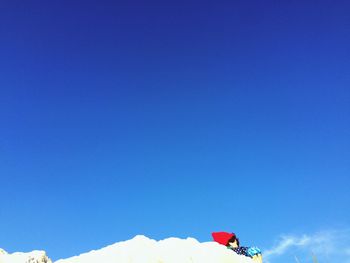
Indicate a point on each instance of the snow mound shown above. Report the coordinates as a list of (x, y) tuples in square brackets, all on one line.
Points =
[(141, 249), (31, 257)]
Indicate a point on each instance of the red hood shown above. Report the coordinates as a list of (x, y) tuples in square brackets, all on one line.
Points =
[(222, 237)]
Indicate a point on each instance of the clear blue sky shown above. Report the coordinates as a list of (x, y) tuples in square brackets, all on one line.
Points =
[(172, 118)]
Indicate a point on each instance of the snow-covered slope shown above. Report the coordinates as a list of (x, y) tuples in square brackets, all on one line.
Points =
[(31, 257), (172, 250), (144, 250)]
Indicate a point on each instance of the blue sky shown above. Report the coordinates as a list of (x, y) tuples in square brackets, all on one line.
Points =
[(172, 119)]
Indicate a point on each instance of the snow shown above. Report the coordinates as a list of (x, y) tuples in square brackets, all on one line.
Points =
[(18, 257), (142, 249)]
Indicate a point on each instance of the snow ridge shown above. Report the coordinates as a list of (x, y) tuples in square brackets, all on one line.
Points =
[(36, 256), (142, 249)]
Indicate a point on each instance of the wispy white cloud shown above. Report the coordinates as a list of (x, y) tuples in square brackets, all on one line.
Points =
[(329, 244), (285, 243)]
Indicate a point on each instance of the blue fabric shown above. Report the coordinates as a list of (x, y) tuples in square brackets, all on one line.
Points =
[(241, 250), (246, 251), (252, 251)]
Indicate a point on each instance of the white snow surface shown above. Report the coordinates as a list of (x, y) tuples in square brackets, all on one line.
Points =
[(142, 249), (35, 256)]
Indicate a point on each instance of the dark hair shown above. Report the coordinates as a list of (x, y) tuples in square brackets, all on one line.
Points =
[(232, 240)]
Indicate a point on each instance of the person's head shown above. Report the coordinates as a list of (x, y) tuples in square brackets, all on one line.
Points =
[(226, 239), (233, 242)]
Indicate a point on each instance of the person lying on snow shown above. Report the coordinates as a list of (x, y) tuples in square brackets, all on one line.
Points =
[(232, 242)]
